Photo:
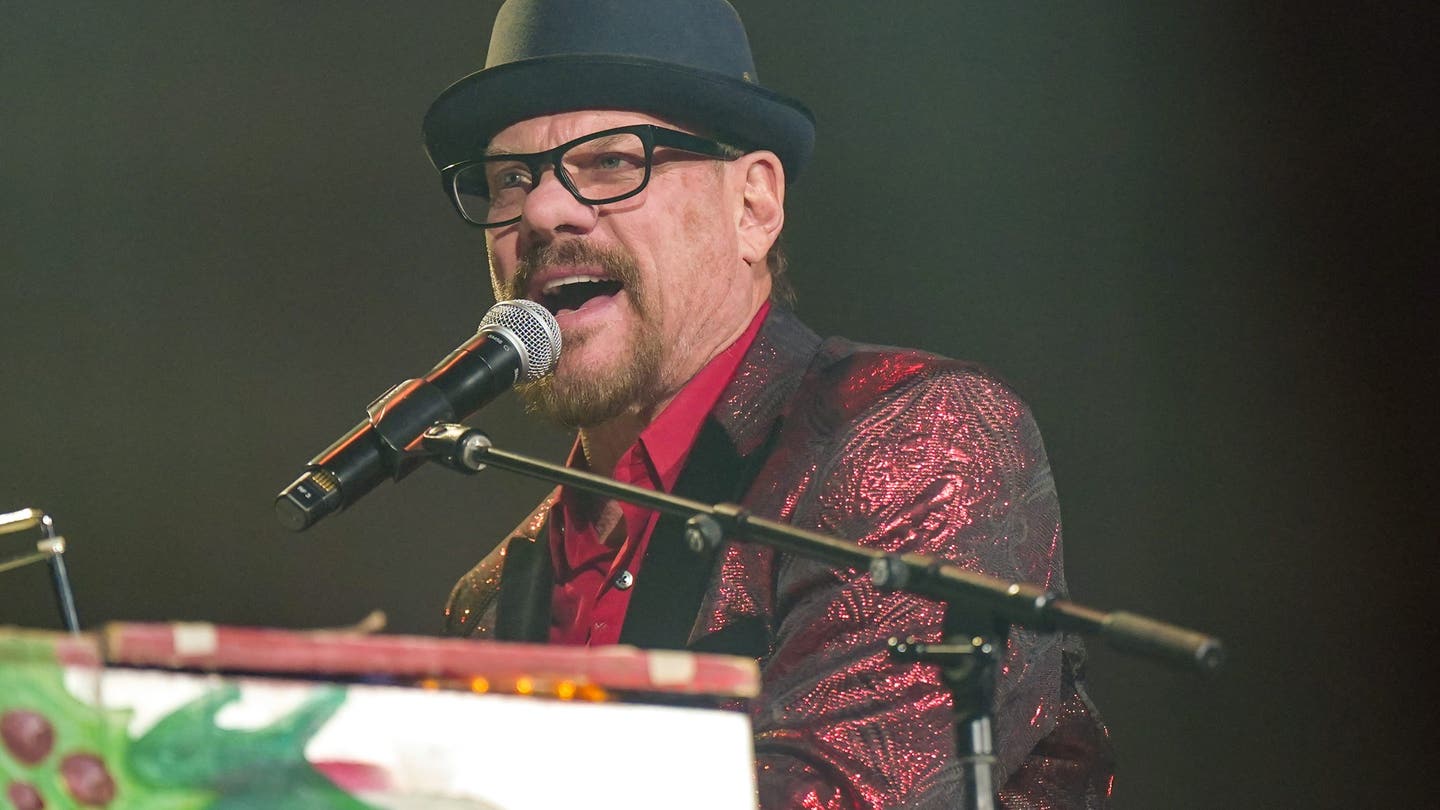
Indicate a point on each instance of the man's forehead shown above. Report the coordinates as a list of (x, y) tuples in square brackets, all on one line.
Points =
[(545, 131)]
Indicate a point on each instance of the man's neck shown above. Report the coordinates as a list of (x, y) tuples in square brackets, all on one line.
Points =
[(604, 444)]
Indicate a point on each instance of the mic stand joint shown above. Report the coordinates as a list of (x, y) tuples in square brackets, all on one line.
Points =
[(456, 446), (968, 667)]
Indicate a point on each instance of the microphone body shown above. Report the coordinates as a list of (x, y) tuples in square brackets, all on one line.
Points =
[(517, 341)]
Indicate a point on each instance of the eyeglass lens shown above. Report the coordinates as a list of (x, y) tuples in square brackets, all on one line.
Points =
[(599, 169)]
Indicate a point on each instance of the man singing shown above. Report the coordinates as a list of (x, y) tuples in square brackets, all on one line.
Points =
[(630, 174)]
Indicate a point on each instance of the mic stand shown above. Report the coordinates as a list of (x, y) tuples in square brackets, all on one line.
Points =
[(968, 658), (51, 549)]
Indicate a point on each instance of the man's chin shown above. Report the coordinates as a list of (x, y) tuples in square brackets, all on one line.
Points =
[(590, 388), (572, 403)]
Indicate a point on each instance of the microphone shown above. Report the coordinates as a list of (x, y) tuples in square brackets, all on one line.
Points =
[(517, 341)]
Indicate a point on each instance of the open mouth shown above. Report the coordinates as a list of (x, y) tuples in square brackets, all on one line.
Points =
[(574, 292)]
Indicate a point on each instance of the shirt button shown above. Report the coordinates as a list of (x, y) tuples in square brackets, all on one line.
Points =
[(624, 580)]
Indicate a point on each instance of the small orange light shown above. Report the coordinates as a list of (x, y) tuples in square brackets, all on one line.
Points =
[(479, 684), (429, 683), (524, 686), (565, 690), (592, 693)]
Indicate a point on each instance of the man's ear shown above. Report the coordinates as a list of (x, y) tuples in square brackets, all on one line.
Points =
[(762, 210)]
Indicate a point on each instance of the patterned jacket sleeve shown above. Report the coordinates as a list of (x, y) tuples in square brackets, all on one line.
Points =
[(939, 458)]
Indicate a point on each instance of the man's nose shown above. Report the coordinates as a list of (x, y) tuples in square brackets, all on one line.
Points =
[(550, 208)]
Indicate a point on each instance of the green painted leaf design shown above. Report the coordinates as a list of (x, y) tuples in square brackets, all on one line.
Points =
[(75, 755)]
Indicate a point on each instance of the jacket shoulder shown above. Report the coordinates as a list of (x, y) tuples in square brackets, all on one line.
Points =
[(851, 379)]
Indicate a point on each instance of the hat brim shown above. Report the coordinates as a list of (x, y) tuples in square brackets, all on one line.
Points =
[(461, 122)]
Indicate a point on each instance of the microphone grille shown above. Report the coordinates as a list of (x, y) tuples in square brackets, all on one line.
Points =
[(535, 330)]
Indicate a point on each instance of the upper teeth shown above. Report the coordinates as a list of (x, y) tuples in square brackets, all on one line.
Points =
[(552, 286)]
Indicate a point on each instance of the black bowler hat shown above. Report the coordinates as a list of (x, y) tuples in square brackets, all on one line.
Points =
[(688, 60)]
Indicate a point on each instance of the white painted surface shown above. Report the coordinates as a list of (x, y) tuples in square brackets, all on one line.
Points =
[(460, 750)]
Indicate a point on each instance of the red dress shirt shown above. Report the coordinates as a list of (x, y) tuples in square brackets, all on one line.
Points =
[(596, 547)]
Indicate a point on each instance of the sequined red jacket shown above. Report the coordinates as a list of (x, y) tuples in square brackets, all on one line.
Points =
[(895, 449)]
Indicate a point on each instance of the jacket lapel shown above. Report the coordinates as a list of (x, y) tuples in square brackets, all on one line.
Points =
[(522, 611), (729, 453), (673, 579), (522, 604)]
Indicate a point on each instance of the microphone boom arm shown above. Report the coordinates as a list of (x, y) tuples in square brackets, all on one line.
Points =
[(469, 450)]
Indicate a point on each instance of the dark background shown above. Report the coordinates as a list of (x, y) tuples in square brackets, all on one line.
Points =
[(1197, 239)]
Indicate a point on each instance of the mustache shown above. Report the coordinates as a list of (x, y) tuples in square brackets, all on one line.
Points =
[(616, 263)]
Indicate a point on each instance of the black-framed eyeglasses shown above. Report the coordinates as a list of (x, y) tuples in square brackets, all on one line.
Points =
[(603, 167)]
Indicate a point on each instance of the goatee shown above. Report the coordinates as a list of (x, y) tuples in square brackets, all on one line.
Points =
[(576, 397)]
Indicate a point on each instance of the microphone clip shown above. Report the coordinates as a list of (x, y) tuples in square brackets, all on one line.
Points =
[(458, 447)]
